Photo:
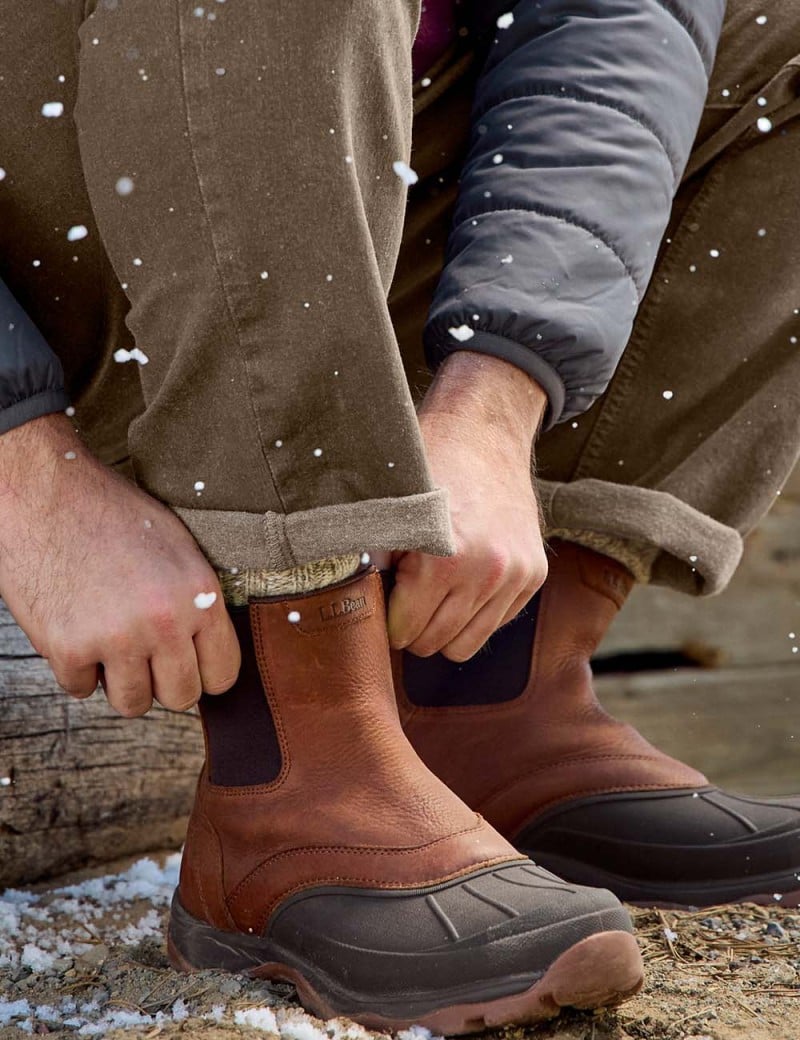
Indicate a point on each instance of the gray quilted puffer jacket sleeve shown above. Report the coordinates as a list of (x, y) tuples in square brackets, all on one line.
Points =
[(31, 377), (583, 121)]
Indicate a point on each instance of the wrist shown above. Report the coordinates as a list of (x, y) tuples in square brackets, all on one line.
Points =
[(29, 453), (488, 393)]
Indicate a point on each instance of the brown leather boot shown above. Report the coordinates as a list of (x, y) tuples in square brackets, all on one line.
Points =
[(322, 852), (517, 732)]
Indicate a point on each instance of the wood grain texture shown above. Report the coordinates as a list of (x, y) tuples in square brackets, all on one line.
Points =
[(740, 726), (79, 784), (749, 623)]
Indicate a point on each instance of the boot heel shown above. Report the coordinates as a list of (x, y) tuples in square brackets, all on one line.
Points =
[(194, 946)]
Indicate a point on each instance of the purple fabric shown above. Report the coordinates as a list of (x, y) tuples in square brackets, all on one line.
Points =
[(437, 30)]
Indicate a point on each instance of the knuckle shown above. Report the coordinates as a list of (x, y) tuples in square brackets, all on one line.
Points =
[(131, 708), (118, 641), (495, 567), (425, 649), (77, 690), (459, 654), (536, 578), (183, 694), (185, 705), (445, 570), (66, 653), (164, 622), (220, 685)]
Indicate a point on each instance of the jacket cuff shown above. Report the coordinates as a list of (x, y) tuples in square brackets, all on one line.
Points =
[(436, 350), (45, 403)]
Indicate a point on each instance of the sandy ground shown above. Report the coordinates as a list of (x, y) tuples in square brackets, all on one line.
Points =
[(87, 959)]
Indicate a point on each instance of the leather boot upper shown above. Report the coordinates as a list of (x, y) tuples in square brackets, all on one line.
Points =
[(352, 804), (513, 759)]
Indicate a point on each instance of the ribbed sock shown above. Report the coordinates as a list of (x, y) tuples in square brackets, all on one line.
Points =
[(240, 586), (637, 557)]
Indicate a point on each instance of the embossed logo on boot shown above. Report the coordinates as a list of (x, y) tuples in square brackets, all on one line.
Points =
[(341, 608)]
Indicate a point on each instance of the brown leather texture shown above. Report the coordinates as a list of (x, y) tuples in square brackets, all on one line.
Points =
[(353, 804), (511, 761)]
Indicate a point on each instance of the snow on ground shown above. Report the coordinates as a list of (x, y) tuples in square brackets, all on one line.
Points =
[(87, 959)]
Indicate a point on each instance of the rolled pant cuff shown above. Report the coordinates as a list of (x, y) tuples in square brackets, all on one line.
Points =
[(697, 554), (278, 541)]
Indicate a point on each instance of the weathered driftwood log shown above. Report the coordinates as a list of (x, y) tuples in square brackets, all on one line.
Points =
[(79, 784)]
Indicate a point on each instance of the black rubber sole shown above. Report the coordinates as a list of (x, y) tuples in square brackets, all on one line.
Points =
[(601, 970), (775, 890), (680, 848)]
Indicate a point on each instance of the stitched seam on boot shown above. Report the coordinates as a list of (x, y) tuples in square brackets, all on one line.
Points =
[(354, 850), (565, 763)]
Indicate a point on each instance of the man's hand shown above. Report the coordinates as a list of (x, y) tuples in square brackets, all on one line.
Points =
[(103, 579), (478, 421)]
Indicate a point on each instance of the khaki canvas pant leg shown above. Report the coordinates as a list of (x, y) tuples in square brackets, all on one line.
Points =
[(252, 258), (700, 426)]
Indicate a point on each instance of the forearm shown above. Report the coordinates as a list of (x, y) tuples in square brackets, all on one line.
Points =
[(29, 454), (494, 395)]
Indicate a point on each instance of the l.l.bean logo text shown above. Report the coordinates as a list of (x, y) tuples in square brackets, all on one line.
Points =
[(341, 608)]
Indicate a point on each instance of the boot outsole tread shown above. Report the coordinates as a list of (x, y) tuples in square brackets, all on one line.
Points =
[(601, 971)]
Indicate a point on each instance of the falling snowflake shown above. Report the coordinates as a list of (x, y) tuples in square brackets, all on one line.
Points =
[(122, 355), (505, 21), (124, 186), (204, 600), (462, 333), (764, 124), (2, 174), (76, 233), (405, 173), (293, 616), (199, 485), (52, 109), (668, 395)]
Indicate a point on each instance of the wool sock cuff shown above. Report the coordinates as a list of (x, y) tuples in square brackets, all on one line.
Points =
[(637, 557), (239, 586)]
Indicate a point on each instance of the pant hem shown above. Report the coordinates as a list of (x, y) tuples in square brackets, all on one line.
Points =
[(277, 541), (697, 554)]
